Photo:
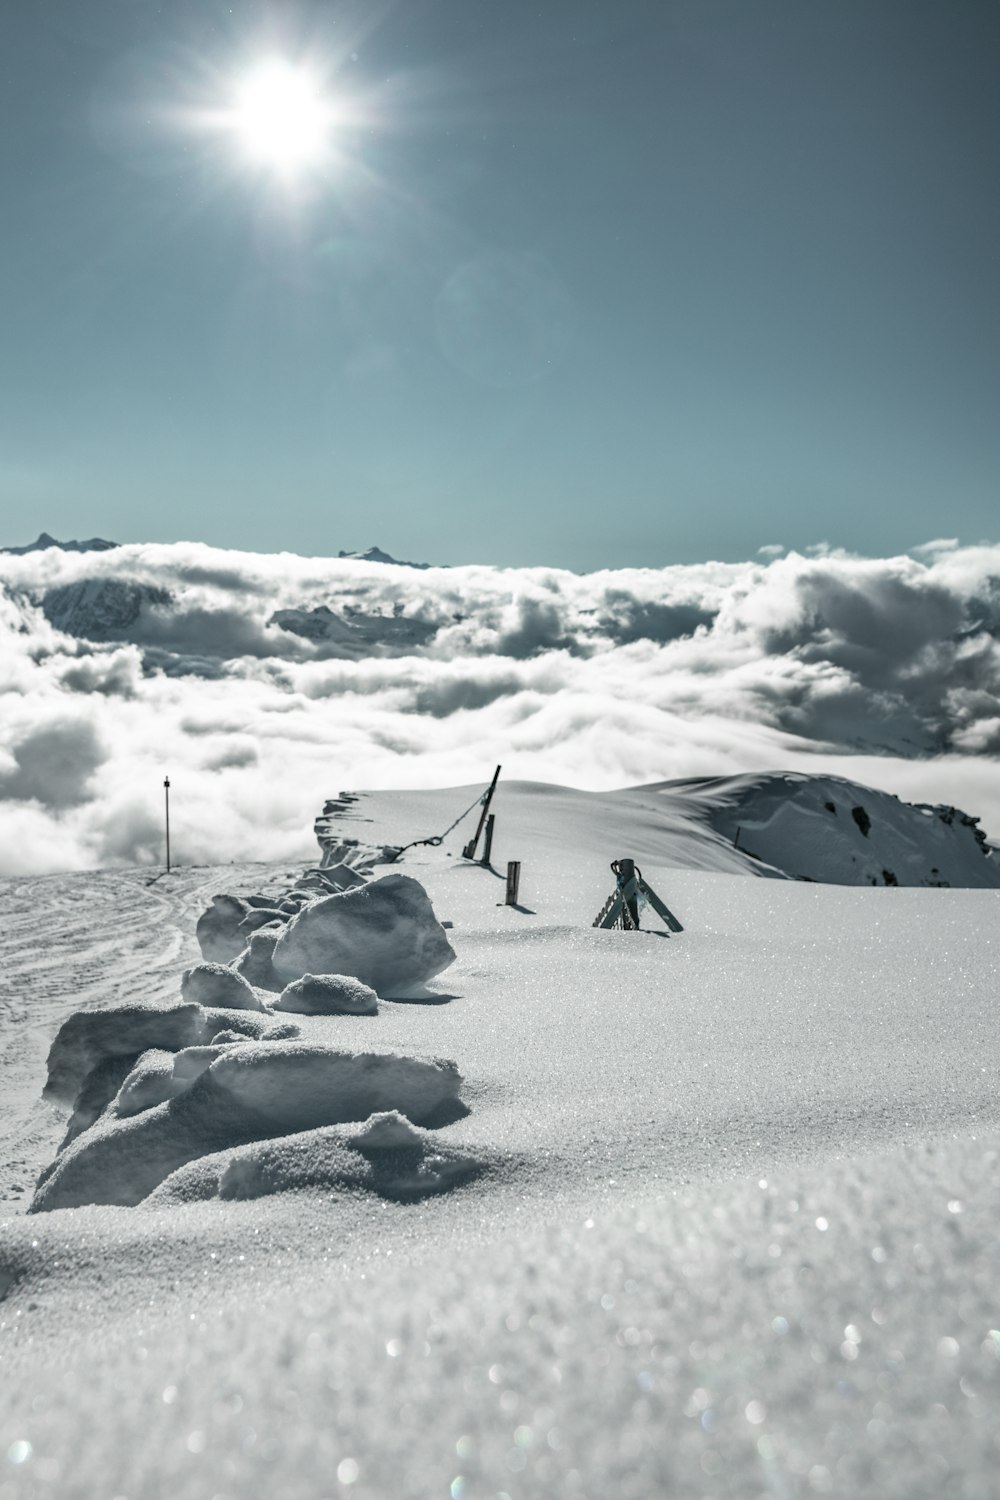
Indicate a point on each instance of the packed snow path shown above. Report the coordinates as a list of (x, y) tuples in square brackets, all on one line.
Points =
[(72, 942)]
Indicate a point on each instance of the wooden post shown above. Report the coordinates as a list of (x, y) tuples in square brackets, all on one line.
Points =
[(166, 795), (469, 852), (513, 881), (488, 844), (626, 869)]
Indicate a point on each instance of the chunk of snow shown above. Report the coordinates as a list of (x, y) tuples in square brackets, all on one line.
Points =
[(282, 1033), (159, 1076), (96, 1092), (300, 1086), (86, 1038), (217, 984), (254, 961), (147, 1085), (252, 1024), (246, 1093), (218, 929), (387, 1131), (384, 933), (328, 995), (262, 916)]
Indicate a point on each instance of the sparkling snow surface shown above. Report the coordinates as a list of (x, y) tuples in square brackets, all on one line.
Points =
[(737, 1232)]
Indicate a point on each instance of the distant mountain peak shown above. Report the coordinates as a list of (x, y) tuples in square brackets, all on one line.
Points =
[(45, 541), (375, 554)]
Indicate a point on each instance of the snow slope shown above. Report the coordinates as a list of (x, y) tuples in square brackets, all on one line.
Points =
[(827, 828), (821, 828), (734, 1234)]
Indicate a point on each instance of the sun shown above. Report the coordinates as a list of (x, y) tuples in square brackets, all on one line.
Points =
[(281, 117)]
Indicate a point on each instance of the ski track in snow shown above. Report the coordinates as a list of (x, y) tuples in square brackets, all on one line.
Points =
[(80, 942)]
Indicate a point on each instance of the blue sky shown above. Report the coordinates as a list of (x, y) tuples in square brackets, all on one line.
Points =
[(584, 284)]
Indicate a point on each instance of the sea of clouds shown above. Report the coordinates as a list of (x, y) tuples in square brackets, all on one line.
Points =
[(119, 667)]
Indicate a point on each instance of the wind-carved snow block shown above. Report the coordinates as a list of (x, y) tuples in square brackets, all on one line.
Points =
[(384, 933), (214, 1098), (87, 1038), (80, 1072), (328, 995)]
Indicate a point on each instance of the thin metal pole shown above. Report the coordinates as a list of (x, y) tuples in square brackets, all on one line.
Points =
[(166, 795)]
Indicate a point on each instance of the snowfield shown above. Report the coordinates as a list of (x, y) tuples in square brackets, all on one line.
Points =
[(607, 1214)]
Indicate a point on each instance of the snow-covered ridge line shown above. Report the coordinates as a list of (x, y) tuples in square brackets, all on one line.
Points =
[(830, 829), (43, 542), (779, 825)]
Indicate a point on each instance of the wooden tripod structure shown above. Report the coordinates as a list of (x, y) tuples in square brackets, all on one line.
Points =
[(622, 907)]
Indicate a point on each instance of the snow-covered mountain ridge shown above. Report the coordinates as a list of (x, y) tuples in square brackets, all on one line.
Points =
[(837, 831), (777, 825), (43, 542)]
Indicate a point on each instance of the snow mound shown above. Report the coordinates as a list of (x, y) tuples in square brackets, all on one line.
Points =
[(384, 933), (218, 929), (215, 984), (249, 1025), (254, 962), (388, 1157), (221, 1097), (328, 995), (829, 829)]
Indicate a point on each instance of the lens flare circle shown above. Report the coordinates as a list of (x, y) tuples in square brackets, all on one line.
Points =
[(281, 117)]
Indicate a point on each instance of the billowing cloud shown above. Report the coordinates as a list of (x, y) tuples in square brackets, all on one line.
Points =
[(53, 763), (262, 684)]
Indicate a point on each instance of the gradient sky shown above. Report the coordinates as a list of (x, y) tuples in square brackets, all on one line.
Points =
[(587, 283)]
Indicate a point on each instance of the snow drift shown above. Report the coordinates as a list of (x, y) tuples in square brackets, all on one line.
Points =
[(387, 1157), (216, 1097)]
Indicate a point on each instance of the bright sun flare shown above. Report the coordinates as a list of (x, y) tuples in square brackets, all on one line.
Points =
[(281, 116)]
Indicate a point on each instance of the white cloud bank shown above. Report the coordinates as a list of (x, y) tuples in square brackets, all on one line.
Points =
[(119, 667)]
